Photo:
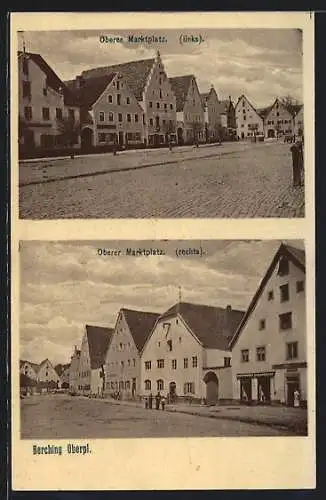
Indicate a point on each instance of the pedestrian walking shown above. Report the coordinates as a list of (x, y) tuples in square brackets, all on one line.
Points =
[(157, 401), (163, 401), (150, 401)]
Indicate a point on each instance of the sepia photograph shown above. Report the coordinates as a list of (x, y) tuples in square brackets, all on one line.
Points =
[(165, 338), (160, 123)]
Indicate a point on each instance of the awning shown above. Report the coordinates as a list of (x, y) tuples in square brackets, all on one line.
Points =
[(255, 375)]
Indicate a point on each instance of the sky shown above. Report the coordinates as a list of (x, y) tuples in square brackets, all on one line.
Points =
[(65, 286), (261, 63)]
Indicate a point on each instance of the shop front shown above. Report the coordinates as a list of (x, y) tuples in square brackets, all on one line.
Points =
[(255, 388)]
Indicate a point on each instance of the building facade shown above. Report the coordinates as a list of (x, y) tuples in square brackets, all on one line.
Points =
[(74, 370), (48, 113), (248, 121), (148, 82), (279, 120), (122, 361), (29, 369), (190, 110), (91, 375), (187, 354), (269, 353), (212, 116), (226, 112)]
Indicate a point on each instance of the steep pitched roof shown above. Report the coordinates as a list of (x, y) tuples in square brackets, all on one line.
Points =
[(140, 324), (98, 339), (53, 80), (263, 112), (295, 255), (134, 72), (294, 108), (35, 366), (250, 104), (180, 86), (213, 326), (91, 89)]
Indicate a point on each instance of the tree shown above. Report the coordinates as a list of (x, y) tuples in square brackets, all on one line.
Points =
[(69, 131)]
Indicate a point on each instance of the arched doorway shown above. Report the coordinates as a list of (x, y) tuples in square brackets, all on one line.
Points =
[(180, 136), (86, 138), (271, 133), (211, 382)]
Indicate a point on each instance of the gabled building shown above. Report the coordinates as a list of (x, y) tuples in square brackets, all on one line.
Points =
[(279, 120), (190, 110), (91, 376), (212, 116), (110, 113), (226, 112), (46, 373), (188, 353), (148, 82), (249, 122), (29, 369), (48, 112), (269, 348), (122, 363)]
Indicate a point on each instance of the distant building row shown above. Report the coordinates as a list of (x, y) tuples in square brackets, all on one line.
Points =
[(205, 352), (133, 104)]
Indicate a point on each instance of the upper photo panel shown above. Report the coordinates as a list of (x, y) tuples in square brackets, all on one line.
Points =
[(161, 124)]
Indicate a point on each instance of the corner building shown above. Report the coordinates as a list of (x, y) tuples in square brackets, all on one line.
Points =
[(269, 351)]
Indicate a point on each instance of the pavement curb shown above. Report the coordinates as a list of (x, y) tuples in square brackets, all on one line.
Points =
[(126, 169)]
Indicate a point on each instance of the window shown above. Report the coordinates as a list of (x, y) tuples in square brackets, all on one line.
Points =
[(150, 104), (291, 350), (120, 117), (128, 117), (110, 117), (285, 321), (194, 362), (118, 99), (180, 340), (45, 91), (148, 385), (243, 104), (160, 363), (134, 362), (262, 324), (148, 365), (300, 286), (151, 121), (171, 106), (27, 89), (189, 388), (122, 363), (270, 295), (46, 113), (163, 122), (128, 100), (169, 343), (261, 353), (185, 362), (245, 355), (284, 290), (160, 90), (158, 105), (71, 114), (110, 98), (227, 361), (136, 118), (129, 362), (28, 113), (165, 107), (58, 113), (144, 122), (101, 137), (283, 267), (160, 385), (118, 86), (101, 116), (244, 117), (174, 364)]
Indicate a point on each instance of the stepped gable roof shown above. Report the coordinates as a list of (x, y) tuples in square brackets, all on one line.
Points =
[(213, 326), (98, 339), (135, 74), (35, 366), (53, 80), (91, 89), (140, 324), (180, 86), (295, 255)]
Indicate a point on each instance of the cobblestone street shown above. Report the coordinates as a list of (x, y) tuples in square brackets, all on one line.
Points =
[(232, 180), (64, 417)]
